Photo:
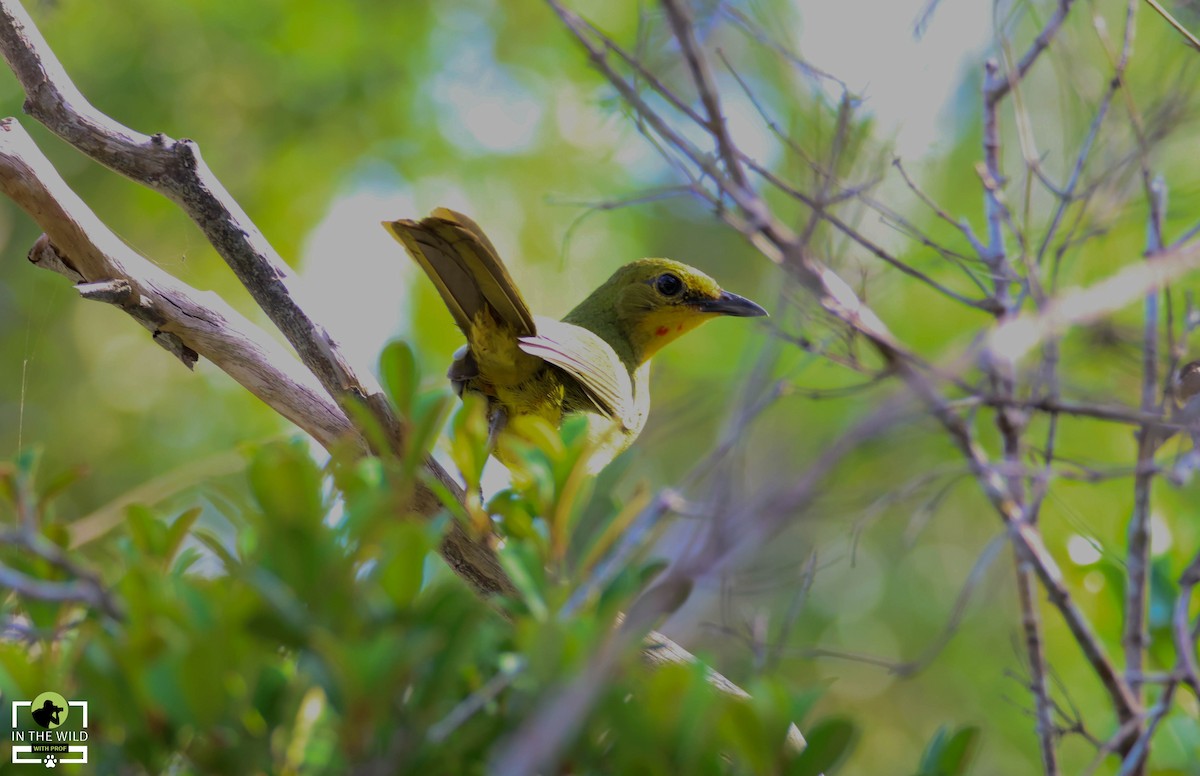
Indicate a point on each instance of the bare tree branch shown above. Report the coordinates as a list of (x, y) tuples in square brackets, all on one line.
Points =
[(78, 245), (1135, 638), (681, 24), (1181, 629), (175, 169), (998, 87), (1003, 345)]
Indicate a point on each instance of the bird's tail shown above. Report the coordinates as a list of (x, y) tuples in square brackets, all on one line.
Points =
[(465, 268)]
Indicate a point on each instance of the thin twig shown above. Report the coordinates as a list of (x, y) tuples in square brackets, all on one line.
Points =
[(1181, 631), (1135, 638), (681, 23), (1171, 20)]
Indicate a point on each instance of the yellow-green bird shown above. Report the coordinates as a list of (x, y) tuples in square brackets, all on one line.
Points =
[(595, 361)]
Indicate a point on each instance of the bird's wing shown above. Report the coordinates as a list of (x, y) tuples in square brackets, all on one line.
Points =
[(590, 360), (464, 266)]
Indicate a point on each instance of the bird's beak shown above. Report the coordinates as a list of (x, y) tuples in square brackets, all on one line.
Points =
[(731, 304)]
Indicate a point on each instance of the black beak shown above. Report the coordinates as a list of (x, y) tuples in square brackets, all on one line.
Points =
[(731, 304)]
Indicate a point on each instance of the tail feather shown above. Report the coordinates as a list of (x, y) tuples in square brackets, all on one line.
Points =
[(437, 259), (468, 223), (465, 268)]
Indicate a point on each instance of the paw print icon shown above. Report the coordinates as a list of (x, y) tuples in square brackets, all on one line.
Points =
[(51, 761)]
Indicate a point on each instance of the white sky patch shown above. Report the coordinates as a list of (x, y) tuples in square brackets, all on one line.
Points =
[(480, 106), (586, 123), (641, 161), (495, 478), (1160, 534), (356, 275), (905, 82), (488, 111), (747, 126), (1082, 550), (582, 122)]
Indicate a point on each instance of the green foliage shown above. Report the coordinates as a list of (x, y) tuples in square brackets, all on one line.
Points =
[(325, 633), (950, 752), (828, 743)]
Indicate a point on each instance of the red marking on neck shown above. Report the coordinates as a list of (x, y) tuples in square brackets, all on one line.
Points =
[(661, 331)]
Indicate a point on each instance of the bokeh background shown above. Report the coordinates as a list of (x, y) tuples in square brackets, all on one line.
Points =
[(325, 118)]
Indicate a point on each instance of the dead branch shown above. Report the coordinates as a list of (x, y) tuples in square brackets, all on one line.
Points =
[(175, 169), (78, 245)]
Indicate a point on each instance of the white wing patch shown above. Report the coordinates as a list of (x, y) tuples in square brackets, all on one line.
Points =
[(591, 361)]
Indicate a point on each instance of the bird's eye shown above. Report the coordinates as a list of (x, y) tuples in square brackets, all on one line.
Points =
[(668, 284)]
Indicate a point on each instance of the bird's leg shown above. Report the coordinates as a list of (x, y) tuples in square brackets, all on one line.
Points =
[(497, 420)]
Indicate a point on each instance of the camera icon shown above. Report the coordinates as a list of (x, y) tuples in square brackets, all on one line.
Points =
[(48, 714)]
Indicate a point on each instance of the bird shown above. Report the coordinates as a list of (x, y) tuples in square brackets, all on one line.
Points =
[(594, 362)]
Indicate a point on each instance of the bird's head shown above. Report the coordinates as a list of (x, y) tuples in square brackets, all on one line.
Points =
[(650, 302)]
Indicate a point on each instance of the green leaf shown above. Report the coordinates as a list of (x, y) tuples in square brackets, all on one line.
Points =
[(803, 702), (284, 616), (179, 530), (185, 560), (949, 754), (27, 463), (428, 418), (744, 729), (446, 497), (217, 547), (404, 562), (145, 530), (287, 483), (399, 375), (61, 482), (369, 425), (524, 569), (469, 438), (516, 520), (828, 742), (574, 430)]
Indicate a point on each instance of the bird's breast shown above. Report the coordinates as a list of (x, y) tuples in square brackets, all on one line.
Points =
[(610, 436)]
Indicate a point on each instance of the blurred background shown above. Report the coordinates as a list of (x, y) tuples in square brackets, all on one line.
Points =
[(325, 118)]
